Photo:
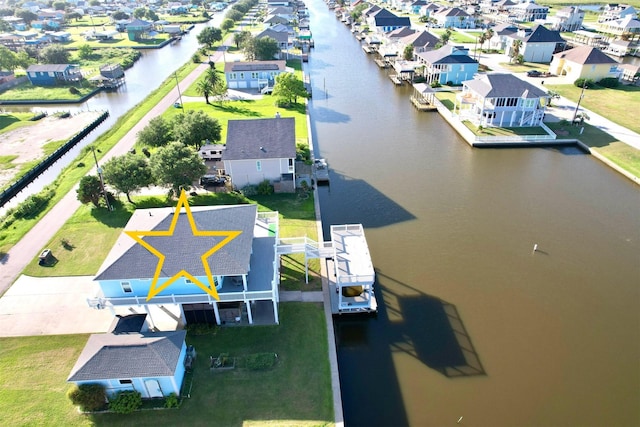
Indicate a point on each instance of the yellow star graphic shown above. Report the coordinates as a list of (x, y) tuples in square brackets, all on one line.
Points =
[(210, 288)]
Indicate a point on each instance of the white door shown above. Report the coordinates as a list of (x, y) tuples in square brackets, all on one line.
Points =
[(153, 388)]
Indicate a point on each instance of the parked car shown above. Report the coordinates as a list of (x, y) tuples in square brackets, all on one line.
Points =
[(534, 73), (212, 180)]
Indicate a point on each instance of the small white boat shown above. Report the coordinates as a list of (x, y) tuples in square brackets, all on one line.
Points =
[(321, 170)]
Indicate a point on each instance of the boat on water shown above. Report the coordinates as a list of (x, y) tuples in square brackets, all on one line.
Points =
[(321, 170), (352, 289)]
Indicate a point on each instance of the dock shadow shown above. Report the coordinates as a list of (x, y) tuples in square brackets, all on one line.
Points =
[(431, 330)]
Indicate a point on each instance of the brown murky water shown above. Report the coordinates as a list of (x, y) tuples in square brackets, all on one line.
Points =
[(474, 323)]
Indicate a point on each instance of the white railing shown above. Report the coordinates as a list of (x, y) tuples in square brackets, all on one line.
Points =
[(297, 245), (352, 280), (180, 299)]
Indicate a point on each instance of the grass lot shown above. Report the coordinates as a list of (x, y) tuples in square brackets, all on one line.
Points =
[(456, 37), (297, 391), (13, 120), (614, 104), (84, 241), (524, 67), (505, 131), (28, 92)]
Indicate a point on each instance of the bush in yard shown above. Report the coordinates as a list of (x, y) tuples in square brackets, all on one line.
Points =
[(34, 204), (196, 58), (581, 82), (171, 401), (74, 90), (609, 82), (89, 397), (265, 188), (250, 190), (126, 402)]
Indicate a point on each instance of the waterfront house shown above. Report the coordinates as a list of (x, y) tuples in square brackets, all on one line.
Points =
[(613, 12), (422, 41), (501, 100), (151, 363), (622, 48), (629, 25), (253, 74), (447, 65), (567, 19), (454, 18), (53, 74), (528, 11), (584, 62), (383, 21), (281, 37), (243, 271), (138, 29), (538, 44), (500, 38), (261, 149)]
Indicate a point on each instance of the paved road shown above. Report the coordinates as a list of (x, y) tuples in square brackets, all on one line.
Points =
[(35, 240)]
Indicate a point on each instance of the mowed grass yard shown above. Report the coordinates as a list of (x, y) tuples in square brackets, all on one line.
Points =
[(295, 392)]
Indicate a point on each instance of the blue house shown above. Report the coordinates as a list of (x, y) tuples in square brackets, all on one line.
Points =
[(53, 74), (150, 363), (449, 64), (384, 21), (253, 75), (244, 270)]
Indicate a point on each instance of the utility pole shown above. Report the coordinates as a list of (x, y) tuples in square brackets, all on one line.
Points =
[(106, 198), (575, 113), (175, 74)]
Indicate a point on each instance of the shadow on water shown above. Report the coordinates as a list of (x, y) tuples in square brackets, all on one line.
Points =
[(326, 115), (356, 192), (428, 329)]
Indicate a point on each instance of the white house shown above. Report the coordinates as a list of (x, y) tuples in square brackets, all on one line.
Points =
[(501, 100), (612, 12), (567, 19), (538, 45), (454, 18), (261, 149), (528, 11)]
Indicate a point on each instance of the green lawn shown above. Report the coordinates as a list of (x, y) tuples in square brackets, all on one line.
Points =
[(14, 120), (297, 391), (614, 104), (504, 131), (28, 92)]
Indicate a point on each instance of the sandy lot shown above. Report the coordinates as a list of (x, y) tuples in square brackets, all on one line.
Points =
[(27, 142)]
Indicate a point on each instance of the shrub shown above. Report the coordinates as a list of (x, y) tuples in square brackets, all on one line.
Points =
[(74, 90), (195, 58), (89, 397), (126, 402), (34, 204), (609, 82), (581, 82), (265, 188), (250, 190), (436, 84), (171, 401), (260, 361)]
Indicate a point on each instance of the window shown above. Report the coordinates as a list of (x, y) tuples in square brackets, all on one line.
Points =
[(126, 287), (258, 165), (233, 76), (500, 102), (512, 102), (290, 165), (126, 382), (254, 75), (188, 281), (241, 76)]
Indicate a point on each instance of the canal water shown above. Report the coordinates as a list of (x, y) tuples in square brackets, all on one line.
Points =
[(473, 322)]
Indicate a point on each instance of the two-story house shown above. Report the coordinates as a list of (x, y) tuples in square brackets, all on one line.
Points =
[(449, 64), (567, 19), (538, 44), (501, 100), (454, 17), (261, 149), (253, 74), (528, 11)]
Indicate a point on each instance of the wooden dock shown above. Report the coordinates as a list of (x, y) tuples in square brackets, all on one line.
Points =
[(368, 49), (381, 63), (394, 78), (422, 105)]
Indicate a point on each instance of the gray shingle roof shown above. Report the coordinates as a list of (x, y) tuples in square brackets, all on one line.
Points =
[(279, 36), (183, 250), (235, 67), (261, 139), (503, 86), (109, 356), (445, 55), (421, 39), (585, 55), (540, 34), (49, 68), (392, 21)]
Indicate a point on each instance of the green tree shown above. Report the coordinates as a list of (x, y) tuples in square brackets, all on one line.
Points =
[(212, 76), (128, 173), (54, 54), (89, 190), (8, 59), (59, 5), (204, 88), (72, 15), (488, 35), (234, 15), (220, 90), (445, 37), (515, 50), (262, 49), (227, 24), (120, 16), (241, 37), (89, 397), (23, 59), (209, 35), (408, 52), (27, 16), (194, 127), (288, 88), (85, 51), (156, 133), (139, 12), (356, 13), (151, 15), (177, 166)]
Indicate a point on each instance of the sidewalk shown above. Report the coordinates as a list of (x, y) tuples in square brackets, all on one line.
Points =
[(563, 107), (35, 240)]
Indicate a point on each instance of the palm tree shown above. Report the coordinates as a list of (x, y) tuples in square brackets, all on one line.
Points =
[(487, 36), (212, 76), (515, 50), (204, 88), (481, 40)]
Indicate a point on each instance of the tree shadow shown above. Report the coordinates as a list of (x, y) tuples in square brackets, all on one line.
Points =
[(233, 109), (4, 257)]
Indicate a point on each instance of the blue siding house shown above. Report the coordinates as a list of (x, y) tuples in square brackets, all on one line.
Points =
[(152, 363), (253, 75), (244, 270), (449, 64), (53, 74)]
